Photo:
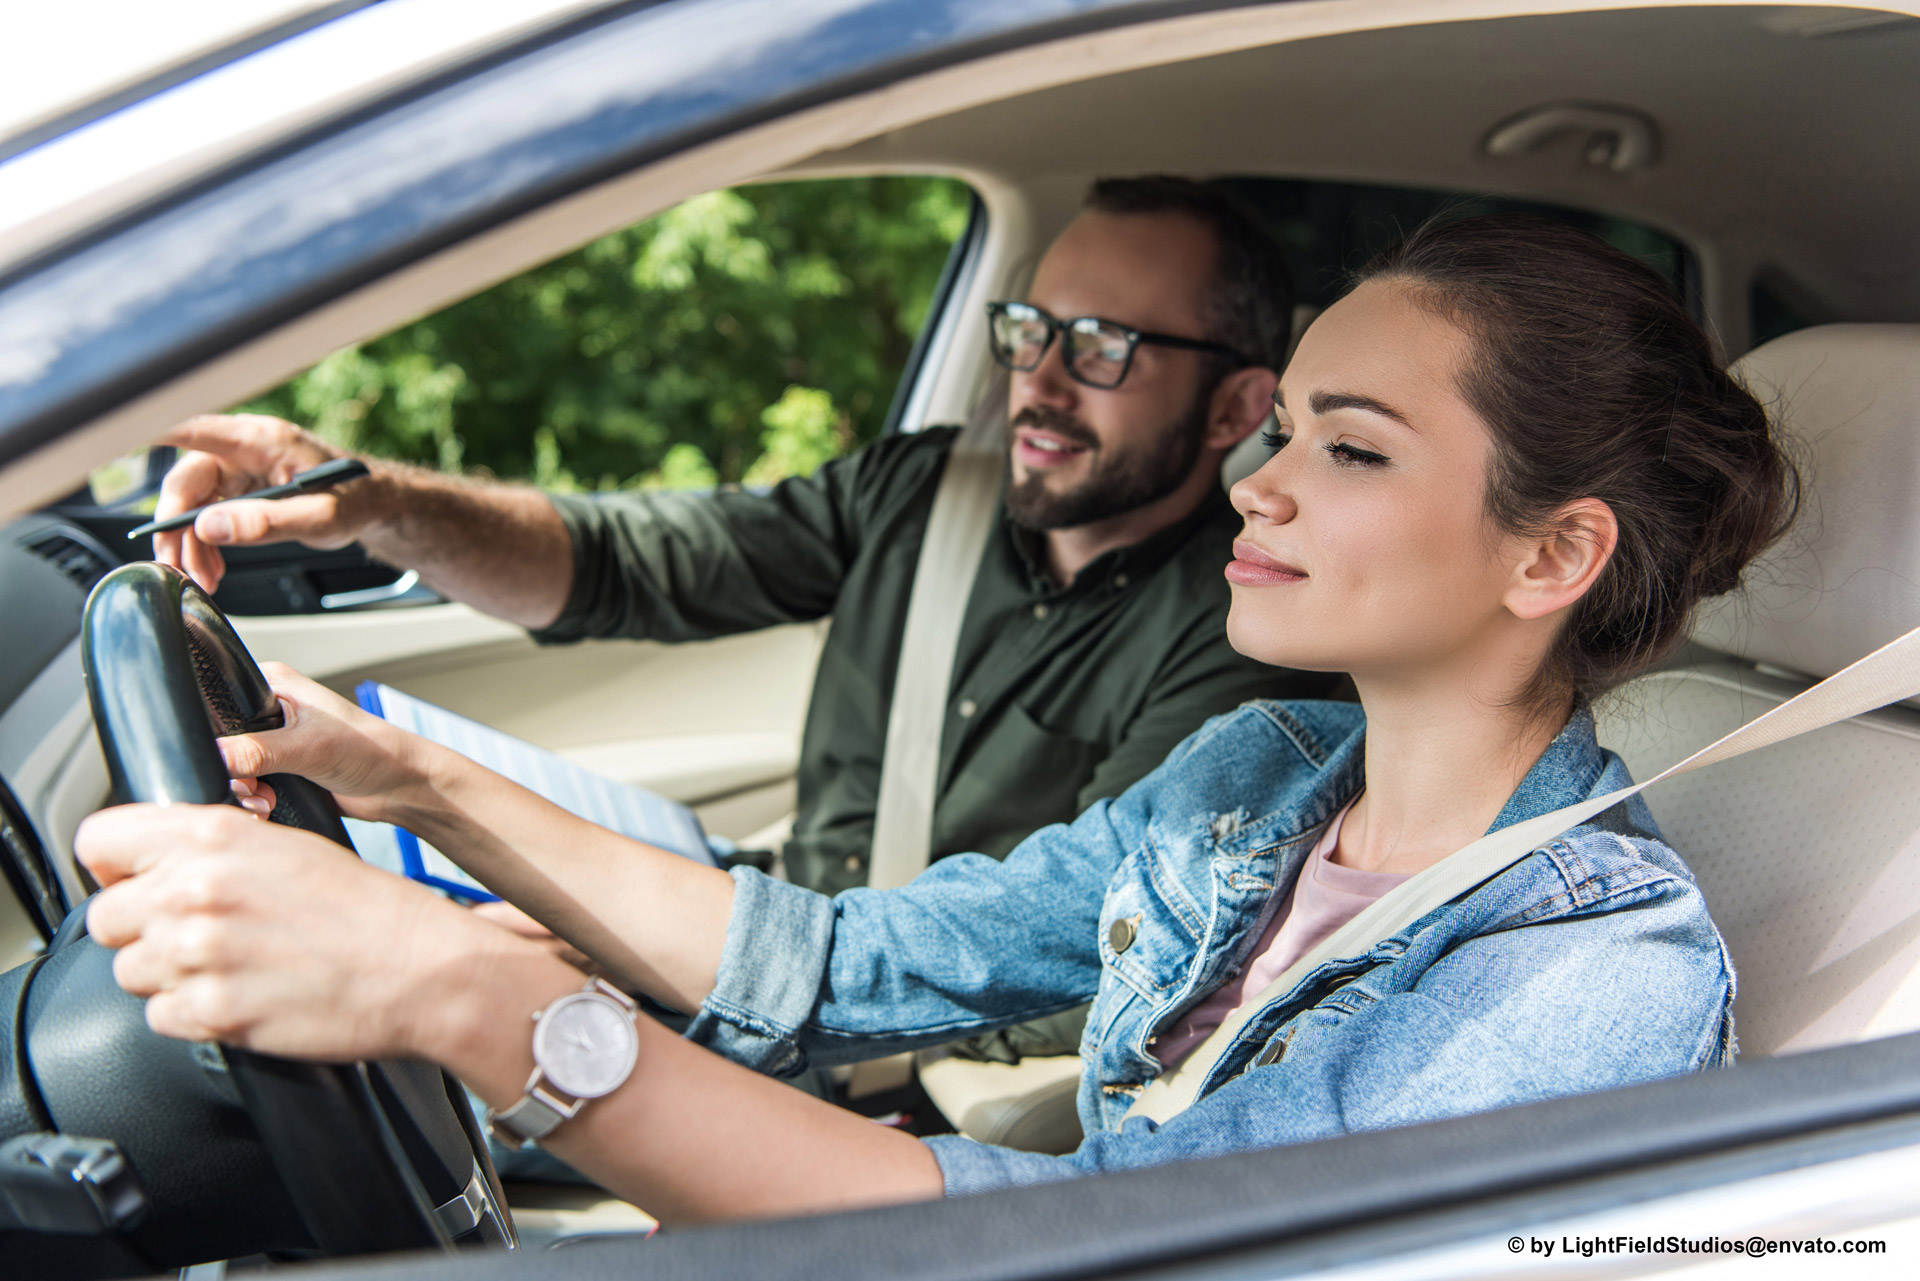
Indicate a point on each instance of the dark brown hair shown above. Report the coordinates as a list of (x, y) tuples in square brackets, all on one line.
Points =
[(1596, 383), (1249, 301)]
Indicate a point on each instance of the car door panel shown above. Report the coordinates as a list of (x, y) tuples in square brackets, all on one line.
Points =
[(341, 649)]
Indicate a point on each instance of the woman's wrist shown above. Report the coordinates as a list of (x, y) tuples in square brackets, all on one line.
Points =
[(472, 1009), (432, 777)]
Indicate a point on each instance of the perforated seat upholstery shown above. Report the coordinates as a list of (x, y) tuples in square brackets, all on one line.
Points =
[(1808, 853)]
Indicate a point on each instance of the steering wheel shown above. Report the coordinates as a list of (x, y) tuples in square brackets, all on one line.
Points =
[(28, 871), (375, 1156)]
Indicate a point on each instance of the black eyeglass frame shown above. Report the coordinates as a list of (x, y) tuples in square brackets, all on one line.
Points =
[(1062, 328)]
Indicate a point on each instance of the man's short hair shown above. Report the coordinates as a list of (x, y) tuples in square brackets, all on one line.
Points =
[(1249, 304)]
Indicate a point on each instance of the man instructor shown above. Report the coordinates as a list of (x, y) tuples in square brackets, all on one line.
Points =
[(1093, 639)]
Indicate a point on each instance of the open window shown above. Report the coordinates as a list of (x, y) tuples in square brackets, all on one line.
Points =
[(743, 336)]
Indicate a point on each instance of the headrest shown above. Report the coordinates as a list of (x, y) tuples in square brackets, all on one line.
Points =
[(1846, 578), (1251, 454), (1247, 457)]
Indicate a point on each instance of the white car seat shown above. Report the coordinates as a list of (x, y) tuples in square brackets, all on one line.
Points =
[(1808, 853)]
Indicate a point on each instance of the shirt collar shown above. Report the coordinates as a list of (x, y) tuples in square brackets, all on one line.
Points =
[(1573, 767), (1568, 771)]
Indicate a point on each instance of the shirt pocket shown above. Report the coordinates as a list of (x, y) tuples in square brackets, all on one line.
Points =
[(1015, 777)]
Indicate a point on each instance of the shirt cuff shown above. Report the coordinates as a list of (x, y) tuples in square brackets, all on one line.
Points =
[(968, 1166), (771, 968), (577, 513)]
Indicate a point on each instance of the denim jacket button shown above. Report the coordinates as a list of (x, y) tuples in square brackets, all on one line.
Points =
[(1275, 1051), (1120, 935)]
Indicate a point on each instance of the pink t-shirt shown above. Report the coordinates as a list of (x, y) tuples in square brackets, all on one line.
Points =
[(1323, 898)]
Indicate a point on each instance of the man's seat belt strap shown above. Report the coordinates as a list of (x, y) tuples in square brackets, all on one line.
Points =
[(964, 508), (1888, 675)]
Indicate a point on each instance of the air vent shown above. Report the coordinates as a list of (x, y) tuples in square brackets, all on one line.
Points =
[(71, 552)]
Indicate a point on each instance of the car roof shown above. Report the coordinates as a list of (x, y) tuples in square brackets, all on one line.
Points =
[(132, 297), (1783, 137), (73, 162), (66, 64)]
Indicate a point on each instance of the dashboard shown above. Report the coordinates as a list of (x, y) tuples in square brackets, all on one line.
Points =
[(48, 757)]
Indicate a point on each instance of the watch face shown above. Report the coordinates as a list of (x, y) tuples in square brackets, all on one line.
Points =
[(586, 1044)]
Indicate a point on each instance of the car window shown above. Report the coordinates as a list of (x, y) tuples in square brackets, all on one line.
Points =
[(1332, 228), (744, 336), (132, 480)]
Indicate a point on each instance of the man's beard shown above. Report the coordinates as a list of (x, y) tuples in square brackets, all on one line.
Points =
[(1119, 483)]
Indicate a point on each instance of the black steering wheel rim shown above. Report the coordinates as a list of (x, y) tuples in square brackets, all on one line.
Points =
[(166, 675)]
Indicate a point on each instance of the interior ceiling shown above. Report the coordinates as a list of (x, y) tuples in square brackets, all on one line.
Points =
[(1781, 152)]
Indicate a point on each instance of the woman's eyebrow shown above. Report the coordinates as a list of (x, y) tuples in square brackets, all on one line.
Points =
[(1325, 402)]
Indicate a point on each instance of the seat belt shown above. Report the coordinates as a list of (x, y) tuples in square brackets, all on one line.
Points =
[(1888, 675), (964, 507)]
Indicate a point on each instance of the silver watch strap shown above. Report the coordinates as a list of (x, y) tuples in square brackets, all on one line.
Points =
[(537, 1113)]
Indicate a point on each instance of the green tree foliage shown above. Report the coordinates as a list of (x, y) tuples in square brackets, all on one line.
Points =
[(746, 335)]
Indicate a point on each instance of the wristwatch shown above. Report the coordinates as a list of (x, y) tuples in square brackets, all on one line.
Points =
[(584, 1046)]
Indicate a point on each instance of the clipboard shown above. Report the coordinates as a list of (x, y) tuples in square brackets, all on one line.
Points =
[(620, 807)]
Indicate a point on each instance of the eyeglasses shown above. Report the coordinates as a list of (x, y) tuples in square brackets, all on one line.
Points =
[(1096, 352)]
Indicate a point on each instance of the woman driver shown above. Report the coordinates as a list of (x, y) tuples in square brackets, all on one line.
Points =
[(1510, 466)]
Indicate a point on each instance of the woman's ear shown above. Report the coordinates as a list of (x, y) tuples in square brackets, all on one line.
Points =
[(1240, 403), (1559, 568)]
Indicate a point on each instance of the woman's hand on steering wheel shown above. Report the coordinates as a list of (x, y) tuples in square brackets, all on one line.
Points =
[(373, 769), (274, 939)]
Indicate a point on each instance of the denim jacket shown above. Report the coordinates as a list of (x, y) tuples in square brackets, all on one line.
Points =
[(1590, 963)]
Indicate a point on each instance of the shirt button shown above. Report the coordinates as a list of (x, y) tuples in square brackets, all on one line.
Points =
[(1041, 611), (853, 863), (1120, 935), (1121, 580), (967, 707)]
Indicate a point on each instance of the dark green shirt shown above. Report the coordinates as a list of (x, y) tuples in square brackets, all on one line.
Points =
[(1060, 695)]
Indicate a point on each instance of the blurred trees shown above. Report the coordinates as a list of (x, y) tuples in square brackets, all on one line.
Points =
[(746, 335)]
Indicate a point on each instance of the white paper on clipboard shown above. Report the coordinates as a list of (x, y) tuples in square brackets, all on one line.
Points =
[(631, 811)]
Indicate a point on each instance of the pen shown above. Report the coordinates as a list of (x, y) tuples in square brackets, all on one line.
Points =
[(325, 476)]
